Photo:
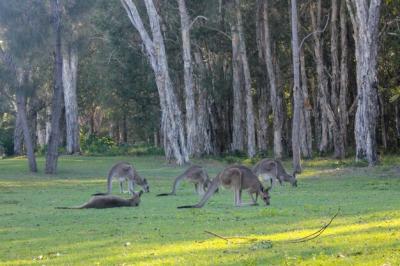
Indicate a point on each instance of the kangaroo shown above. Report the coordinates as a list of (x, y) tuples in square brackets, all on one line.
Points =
[(109, 201), (125, 172), (194, 174), (269, 170), (237, 178)]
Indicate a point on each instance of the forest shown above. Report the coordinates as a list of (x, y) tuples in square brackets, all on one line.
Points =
[(197, 78), (187, 104)]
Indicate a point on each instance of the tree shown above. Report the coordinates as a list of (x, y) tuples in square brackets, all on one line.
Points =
[(251, 142), (297, 98), (192, 131), (276, 100), (54, 138), (171, 117), (365, 20)]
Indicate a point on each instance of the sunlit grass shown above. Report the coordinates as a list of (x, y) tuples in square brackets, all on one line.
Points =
[(32, 232)]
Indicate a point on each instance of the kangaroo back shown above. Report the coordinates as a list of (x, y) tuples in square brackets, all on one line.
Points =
[(211, 190), (177, 180)]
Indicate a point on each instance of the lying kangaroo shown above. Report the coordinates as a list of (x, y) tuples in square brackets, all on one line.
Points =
[(194, 174), (109, 201), (125, 172), (269, 169), (237, 178)]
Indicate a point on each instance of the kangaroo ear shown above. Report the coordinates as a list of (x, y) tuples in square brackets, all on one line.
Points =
[(145, 180), (140, 193)]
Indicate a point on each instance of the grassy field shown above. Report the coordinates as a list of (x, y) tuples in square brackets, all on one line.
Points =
[(33, 232)]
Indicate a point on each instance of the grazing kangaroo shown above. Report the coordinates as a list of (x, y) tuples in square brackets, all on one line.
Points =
[(194, 174), (109, 201), (269, 169), (125, 172), (237, 178)]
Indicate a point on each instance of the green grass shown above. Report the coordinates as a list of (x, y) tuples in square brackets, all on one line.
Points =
[(366, 232)]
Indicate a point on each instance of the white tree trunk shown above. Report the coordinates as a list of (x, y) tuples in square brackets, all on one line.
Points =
[(191, 115), (203, 114), (297, 98), (251, 139), (276, 100), (237, 126), (305, 114), (365, 20), (344, 76), (171, 120), (70, 69)]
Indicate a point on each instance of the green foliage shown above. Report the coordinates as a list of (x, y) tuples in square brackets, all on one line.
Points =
[(6, 134), (94, 145), (366, 231)]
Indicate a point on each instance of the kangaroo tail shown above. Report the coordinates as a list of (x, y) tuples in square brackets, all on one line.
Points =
[(188, 206), (164, 194), (68, 208), (211, 190), (99, 194)]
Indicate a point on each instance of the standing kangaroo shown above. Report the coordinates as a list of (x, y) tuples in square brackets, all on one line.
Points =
[(194, 174), (125, 172), (109, 201), (236, 178), (269, 169)]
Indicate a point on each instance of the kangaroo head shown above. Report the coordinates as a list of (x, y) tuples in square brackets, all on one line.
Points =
[(293, 179), (145, 185), (265, 195), (135, 200)]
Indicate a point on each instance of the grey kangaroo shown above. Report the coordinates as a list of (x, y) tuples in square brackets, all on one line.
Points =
[(109, 201), (194, 174), (125, 172), (236, 178), (269, 170)]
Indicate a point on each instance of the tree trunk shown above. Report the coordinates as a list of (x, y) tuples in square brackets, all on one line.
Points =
[(237, 130), (327, 110), (397, 119), (171, 118), (204, 116), (191, 115), (365, 20), (276, 100), (344, 76), (18, 136), (251, 139), (305, 114), (52, 149), (382, 116), (21, 109), (70, 67), (263, 106), (297, 98)]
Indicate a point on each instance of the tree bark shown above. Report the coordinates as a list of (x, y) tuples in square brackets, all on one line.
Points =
[(18, 135), (251, 139), (21, 109), (365, 20), (204, 115), (171, 117), (263, 106), (297, 98), (69, 75), (276, 100), (21, 81), (237, 126), (344, 76), (305, 114), (52, 148), (327, 109), (192, 130)]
